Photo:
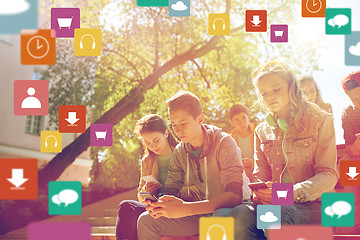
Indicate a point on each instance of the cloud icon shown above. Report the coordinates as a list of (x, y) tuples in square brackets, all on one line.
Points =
[(355, 50), (9, 7), (268, 217), (179, 6)]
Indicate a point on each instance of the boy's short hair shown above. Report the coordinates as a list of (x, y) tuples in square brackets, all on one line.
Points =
[(351, 81), (185, 100), (237, 109)]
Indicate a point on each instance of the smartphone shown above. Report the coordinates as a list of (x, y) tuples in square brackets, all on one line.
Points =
[(148, 196), (258, 185)]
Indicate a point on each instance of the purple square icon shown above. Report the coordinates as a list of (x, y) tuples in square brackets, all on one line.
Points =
[(279, 33), (59, 231), (282, 194), (64, 21), (101, 135)]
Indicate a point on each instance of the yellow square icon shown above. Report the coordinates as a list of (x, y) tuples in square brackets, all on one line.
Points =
[(216, 228), (50, 141), (87, 42), (219, 24)]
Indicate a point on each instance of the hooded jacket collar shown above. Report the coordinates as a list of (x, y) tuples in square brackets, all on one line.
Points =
[(210, 134)]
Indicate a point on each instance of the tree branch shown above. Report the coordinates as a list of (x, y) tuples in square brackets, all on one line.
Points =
[(202, 74), (126, 59)]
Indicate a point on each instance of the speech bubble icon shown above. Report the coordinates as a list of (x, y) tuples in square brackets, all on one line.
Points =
[(331, 22), (328, 211), (341, 20), (341, 208), (55, 199), (68, 196)]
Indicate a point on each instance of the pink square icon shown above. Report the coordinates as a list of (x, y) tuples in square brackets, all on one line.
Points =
[(31, 97), (301, 232), (64, 21)]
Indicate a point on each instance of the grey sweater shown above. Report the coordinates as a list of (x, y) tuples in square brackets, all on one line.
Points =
[(224, 166)]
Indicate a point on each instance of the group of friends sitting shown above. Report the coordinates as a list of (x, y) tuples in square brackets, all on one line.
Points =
[(207, 173)]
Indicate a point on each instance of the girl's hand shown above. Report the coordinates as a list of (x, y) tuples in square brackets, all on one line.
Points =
[(264, 195), (151, 187)]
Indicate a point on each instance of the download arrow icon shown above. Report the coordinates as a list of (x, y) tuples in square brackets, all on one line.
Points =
[(17, 177), (352, 172), (256, 20), (72, 118)]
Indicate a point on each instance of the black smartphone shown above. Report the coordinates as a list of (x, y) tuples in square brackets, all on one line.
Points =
[(257, 185), (148, 196)]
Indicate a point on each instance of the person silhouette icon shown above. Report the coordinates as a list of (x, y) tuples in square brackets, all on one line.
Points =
[(31, 102)]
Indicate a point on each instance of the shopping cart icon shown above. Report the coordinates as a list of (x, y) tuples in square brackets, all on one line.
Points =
[(64, 22), (279, 33), (282, 194), (100, 135)]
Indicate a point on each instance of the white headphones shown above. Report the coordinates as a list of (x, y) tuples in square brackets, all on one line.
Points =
[(221, 20), (216, 225), (46, 144), (81, 44)]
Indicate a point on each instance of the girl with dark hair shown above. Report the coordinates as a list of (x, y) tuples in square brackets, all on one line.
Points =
[(158, 143)]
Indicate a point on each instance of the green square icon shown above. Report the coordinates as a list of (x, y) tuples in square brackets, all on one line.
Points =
[(153, 3), (337, 209), (338, 21), (64, 198)]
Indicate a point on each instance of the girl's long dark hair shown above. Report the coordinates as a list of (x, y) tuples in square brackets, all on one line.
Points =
[(153, 123)]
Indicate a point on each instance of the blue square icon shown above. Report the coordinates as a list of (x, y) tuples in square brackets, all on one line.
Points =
[(179, 8), (16, 15), (352, 49), (268, 216)]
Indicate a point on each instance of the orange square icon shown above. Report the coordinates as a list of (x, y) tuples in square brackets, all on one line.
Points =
[(72, 118), (18, 178), (313, 8), (38, 47), (350, 173), (256, 20)]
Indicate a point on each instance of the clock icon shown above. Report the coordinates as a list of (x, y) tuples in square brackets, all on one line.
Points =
[(38, 47), (313, 6)]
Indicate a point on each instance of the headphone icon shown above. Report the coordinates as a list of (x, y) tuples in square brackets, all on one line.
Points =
[(224, 24), (81, 44), (216, 225), (46, 144)]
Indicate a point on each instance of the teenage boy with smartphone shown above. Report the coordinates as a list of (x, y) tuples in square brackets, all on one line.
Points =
[(206, 156)]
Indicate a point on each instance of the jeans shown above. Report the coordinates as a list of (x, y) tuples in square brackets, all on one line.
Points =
[(153, 229), (127, 217), (245, 218)]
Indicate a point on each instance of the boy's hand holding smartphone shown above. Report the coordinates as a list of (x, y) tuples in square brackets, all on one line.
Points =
[(167, 206)]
